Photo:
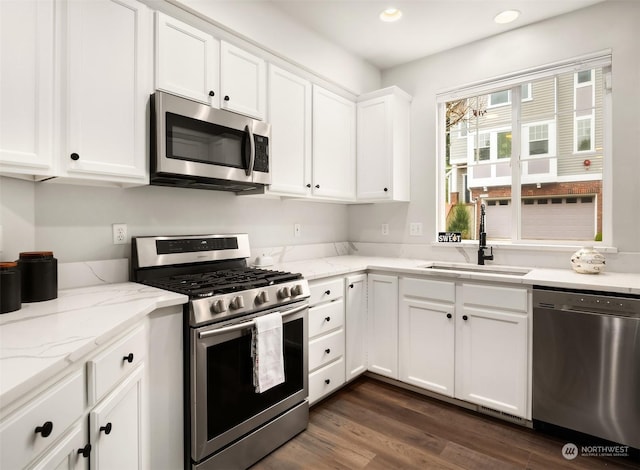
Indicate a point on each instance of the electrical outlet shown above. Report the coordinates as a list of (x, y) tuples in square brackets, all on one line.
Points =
[(415, 229), (385, 229), (119, 234), (297, 230)]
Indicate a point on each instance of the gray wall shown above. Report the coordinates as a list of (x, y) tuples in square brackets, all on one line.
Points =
[(610, 25)]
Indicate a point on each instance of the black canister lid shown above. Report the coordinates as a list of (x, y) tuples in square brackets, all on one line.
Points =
[(8, 265), (36, 255)]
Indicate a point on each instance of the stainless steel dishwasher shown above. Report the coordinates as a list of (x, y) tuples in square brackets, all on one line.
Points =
[(586, 363)]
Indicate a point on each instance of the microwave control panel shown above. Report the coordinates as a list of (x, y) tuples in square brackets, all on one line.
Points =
[(262, 154)]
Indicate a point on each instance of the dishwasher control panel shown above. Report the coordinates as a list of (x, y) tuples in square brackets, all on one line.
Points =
[(626, 305)]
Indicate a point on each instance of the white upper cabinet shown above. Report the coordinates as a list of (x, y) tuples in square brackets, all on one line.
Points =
[(27, 87), (289, 106), (108, 50), (187, 61), (383, 167), (334, 145), (242, 81)]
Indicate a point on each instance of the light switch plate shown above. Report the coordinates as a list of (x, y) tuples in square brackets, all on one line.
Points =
[(415, 229)]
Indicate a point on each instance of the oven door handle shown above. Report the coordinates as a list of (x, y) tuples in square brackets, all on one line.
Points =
[(247, 324)]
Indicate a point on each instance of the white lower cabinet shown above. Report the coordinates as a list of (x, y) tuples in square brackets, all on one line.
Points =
[(65, 454), (115, 426), (382, 331), (427, 329), (356, 325), (326, 337), (492, 348)]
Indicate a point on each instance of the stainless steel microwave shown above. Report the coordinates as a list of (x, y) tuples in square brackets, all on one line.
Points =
[(196, 146)]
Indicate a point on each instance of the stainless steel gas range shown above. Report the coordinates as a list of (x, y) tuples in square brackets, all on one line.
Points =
[(227, 423)]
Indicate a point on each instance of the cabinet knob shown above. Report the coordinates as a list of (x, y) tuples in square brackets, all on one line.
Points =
[(465, 318), (317, 186), (327, 292), (327, 381), (449, 315), (45, 429), (309, 185), (74, 156), (327, 351), (386, 189), (106, 429), (212, 93), (351, 286), (327, 318), (85, 451), (226, 97), (128, 358)]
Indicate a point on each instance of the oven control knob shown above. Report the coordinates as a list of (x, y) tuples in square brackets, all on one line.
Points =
[(262, 297), (218, 306), (284, 293), (296, 290), (236, 303)]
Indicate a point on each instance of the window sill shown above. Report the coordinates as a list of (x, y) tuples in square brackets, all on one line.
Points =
[(528, 246)]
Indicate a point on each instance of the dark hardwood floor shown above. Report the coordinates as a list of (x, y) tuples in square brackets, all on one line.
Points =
[(373, 425)]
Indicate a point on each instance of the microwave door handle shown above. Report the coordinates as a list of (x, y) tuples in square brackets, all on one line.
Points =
[(252, 147)]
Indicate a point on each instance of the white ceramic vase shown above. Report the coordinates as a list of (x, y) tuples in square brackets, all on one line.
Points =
[(587, 260)]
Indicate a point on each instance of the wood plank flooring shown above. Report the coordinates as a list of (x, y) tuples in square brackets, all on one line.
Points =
[(373, 425)]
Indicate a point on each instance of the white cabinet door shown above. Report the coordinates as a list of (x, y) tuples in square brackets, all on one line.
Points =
[(115, 427), (383, 167), (187, 61), (289, 105), (334, 145), (356, 325), (108, 50), (242, 81), (382, 306), (491, 359), (27, 87), (427, 348)]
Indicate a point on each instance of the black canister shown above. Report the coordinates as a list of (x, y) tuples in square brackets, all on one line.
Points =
[(39, 275), (10, 296)]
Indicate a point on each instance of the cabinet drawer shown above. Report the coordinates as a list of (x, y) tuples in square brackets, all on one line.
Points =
[(444, 291), (325, 318), (326, 349), (326, 380), (326, 291), (112, 365), (61, 406), (507, 298)]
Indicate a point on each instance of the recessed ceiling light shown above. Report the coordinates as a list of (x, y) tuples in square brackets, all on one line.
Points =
[(506, 16), (390, 14)]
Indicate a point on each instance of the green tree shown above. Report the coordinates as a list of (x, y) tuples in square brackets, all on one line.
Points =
[(460, 221)]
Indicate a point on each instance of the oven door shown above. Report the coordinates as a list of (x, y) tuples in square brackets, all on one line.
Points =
[(224, 404), (195, 140)]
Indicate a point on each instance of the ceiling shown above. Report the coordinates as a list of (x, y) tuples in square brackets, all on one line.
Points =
[(426, 27)]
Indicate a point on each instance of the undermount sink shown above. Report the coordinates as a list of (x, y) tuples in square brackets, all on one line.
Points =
[(472, 268)]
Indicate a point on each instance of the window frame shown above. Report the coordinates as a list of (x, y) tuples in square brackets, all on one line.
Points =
[(517, 79)]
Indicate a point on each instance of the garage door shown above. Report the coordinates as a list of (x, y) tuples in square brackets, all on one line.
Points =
[(561, 218)]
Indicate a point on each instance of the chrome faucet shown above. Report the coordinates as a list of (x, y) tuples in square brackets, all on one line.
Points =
[(483, 240)]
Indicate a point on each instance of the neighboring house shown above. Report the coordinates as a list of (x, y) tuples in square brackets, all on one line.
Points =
[(561, 156)]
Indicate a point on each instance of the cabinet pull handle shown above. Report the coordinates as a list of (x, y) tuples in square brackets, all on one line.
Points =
[(327, 381), (45, 429), (327, 292), (328, 351), (85, 451), (74, 156), (226, 97), (327, 318), (128, 358), (212, 93), (465, 318), (106, 429), (309, 185), (317, 186), (386, 189), (351, 286), (449, 315)]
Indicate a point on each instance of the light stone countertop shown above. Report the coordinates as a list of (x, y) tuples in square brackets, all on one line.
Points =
[(44, 338)]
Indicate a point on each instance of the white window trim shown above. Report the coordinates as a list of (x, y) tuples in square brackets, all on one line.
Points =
[(508, 102), (591, 116)]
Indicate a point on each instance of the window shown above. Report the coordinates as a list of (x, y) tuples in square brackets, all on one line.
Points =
[(524, 146)]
